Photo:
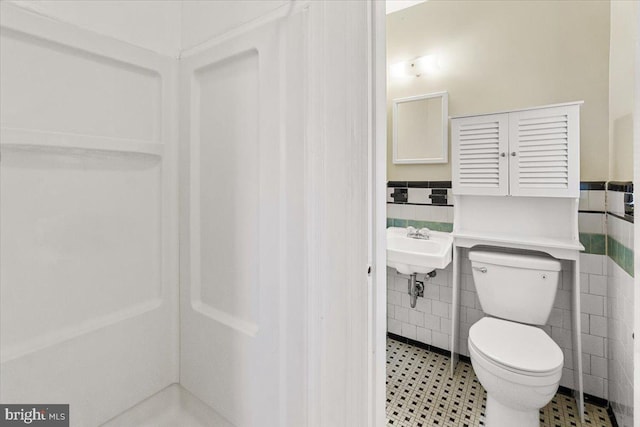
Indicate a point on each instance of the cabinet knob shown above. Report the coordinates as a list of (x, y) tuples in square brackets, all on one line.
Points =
[(503, 154), (513, 154)]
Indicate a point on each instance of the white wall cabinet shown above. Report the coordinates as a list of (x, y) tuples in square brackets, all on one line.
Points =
[(533, 152)]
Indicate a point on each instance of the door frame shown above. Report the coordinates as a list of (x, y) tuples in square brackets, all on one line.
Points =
[(378, 211)]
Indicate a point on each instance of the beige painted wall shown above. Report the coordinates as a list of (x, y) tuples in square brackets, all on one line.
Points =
[(501, 55), (624, 28)]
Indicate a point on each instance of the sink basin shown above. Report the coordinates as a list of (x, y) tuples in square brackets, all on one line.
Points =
[(409, 255)]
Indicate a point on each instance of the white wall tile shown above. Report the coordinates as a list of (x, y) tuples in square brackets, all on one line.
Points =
[(599, 367), (591, 263), (449, 212), (583, 203), (416, 318), (614, 227), (423, 305), (431, 291), (464, 346), (394, 285), (593, 385), (615, 202), (402, 314), (627, 233), (391, 309), (440, 309), (400, 211), (409, 331), (432, 322), (567, 378), (445, 325), (441, 340), (584, 323), (568, 358), (562, 337), (394, 326), (591, 223), (430, 213), (593, 345), (597, 284), (406, 299), (473, 315), (586, 363), (563, 300), (468, 299), (620, 328), (598, 325), (394, 298), (592, 304), (418, 195), (596, 200), (566, 279), (423, 335), (555, 318), (446, 294), (466, 283)]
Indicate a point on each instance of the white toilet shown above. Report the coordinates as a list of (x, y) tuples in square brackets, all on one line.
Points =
[(519, 365)]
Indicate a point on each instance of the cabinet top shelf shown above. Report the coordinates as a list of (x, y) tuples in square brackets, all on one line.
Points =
[(564, 104), (563, 248)]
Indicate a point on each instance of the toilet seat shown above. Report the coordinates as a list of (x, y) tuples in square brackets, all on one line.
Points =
[(521, 349)]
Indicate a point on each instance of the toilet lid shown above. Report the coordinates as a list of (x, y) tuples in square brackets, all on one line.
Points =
[(516, 346)]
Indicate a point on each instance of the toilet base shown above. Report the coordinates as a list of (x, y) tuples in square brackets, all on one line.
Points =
[(499, 415)]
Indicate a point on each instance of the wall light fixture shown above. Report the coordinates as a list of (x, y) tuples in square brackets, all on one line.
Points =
[(415, 67)]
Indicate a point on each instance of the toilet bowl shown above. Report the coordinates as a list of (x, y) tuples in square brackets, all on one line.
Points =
[(517, 363), (520, 368)]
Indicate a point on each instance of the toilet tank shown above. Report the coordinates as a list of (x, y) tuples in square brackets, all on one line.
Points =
[(515, 286)]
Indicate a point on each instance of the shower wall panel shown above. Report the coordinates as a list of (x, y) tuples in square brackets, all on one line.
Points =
[(241, 167), (88, 245)]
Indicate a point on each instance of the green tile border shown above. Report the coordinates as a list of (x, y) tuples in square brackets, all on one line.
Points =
[(593, 243), (601, 244), (597, 244), (621, 255), (446, 227)]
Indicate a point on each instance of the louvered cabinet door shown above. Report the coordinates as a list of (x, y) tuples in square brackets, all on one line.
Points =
[(479, 147), (544, 152)]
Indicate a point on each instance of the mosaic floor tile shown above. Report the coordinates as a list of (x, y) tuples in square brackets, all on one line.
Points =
[(420, 393)]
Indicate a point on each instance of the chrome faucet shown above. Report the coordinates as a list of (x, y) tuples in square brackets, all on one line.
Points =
[(423, 233)]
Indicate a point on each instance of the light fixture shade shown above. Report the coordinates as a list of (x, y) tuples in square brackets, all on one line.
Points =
[(400, 69), (415, 68), (426, 64)]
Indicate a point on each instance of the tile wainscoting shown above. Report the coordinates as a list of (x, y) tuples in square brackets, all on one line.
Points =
[(620, 300), (607, 296)]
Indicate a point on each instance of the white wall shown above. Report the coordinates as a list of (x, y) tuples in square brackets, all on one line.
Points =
[(234, 268), (88, 216), (206, 20), (498, 56), (101, 112), (622, 77), (151, 24)]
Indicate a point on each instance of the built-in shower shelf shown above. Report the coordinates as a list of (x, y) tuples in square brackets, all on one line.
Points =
[(46, 140)]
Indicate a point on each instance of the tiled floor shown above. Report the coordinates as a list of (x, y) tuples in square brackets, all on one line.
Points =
[(420, 393)]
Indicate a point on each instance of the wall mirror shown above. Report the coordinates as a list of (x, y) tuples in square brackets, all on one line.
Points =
[(420, 129)]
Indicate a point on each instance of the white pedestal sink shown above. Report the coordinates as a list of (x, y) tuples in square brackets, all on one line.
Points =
[(409, 255)]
